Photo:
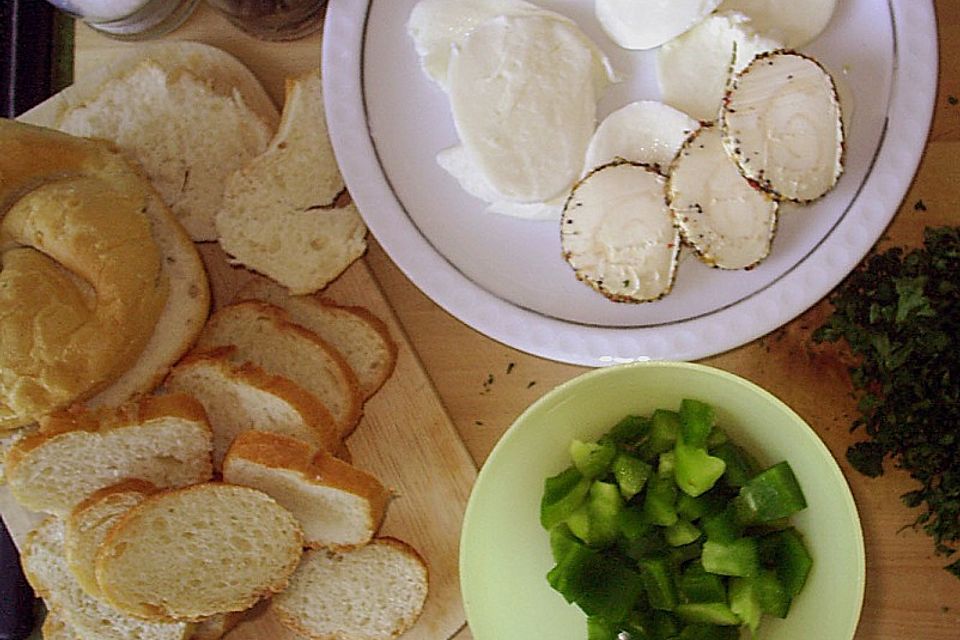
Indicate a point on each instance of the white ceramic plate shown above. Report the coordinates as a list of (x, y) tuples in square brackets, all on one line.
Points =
[(506, 278)]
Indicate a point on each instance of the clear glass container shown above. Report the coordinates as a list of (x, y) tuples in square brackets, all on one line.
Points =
[(130, 19), (273, 19)]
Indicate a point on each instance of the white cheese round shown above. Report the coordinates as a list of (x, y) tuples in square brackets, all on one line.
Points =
[(645, 24), (793, 22), (728, 222), (618, 234)]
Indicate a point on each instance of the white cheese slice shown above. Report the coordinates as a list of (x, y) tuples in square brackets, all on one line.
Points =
[(436, 26), (728, 222), (457, 163), (782, 125), (693, 69), (645, 131), (523, 91), (645, 24), (618, 234), (793, 22)]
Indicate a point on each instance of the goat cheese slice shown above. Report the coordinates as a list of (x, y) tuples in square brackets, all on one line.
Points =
[(645, 131), (523, 91), (782, 125), (789, 21), (618, 234), (645, 24), (693, 70), (729, 224)]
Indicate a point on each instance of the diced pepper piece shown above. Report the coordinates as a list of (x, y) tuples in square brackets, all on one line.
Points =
[(664, 625), (664, 427), (631, 473), (638, 624), (717, 613), (561, 541), (628, 431), (562, 494), (666, 464), (680, 533), (790, 558), (599, 628), (679, 555), (592, 459), (716, 438), (708, 632), (744, 602), (659, 503), (696, 584), (658, 582), (696, 471), (696, 422), (694, 508), (770, 495), (599, 585), (634, 524), (604, 506), (771, 594), (740, 557), (722, 526), (651, 544), (740, 465)]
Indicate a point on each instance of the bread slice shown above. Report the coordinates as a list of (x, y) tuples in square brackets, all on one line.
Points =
[(279, 216), (375, 592), (39, 325), (361, 337), (56, 628), (88, 524), (338, 505), (216, 626), (263, 335), (76, 612), (241, 397), (188, 137), (198, 551), (163, 440)]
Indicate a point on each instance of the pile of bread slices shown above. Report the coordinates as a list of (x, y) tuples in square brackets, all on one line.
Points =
[(193, 465)]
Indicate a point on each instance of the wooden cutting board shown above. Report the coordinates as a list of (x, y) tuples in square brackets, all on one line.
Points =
[(405, 438)]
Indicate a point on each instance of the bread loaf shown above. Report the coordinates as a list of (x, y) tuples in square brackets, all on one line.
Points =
[(163, 440), (338, 505), (262, 334), (375, 592), (78, 613), (240, 397), (361, 337), (279, 215), (198, 551)]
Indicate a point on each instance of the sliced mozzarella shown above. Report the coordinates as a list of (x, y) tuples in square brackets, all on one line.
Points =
[(728, 222), (693, 69), (646, 131), (523, 96), (437, 26), (618, 235), (645, 24), (782, 125), (793, 22)]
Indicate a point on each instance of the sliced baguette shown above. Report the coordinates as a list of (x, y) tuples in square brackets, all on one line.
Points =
[(338, 505), (262, 334), (163, 440), (188, 137), (88, 524), (241, 397), (55, 627), (375, 592), (78, 613), (198, 551), (279, 215), (216, 626), (361, 337)]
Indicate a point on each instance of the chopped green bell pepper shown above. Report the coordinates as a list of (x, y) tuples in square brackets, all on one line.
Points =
[(786, 552), (599, 585), (696, 422), (659, 503), (680, 533), (696, 584), (708, 632), (628, 431), (740, 465), (696, 470), (592, 459), (562, 495), (664, 427), (740, 557), (658, 583), (770, 495), (715, 613), (631, 474)]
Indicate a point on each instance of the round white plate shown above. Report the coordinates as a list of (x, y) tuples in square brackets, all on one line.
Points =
[(506, 278)]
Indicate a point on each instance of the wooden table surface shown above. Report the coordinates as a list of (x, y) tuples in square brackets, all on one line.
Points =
[(484, 385)]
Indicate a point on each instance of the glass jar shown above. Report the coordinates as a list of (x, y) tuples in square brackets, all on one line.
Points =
[(129, 19), (273, 19)]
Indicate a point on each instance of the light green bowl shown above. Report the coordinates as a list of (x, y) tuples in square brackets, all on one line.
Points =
[(505, 554)]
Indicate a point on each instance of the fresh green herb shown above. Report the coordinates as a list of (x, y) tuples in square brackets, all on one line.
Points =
[(900, 314)]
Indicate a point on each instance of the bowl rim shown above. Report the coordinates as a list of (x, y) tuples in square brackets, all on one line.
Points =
[(563, 388)]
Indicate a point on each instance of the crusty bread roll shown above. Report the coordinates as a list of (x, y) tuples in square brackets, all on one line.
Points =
[(263, 334), (240, 397), (375, 592), (101, 289), (165, 440), (278, 216), (338, 505), (194, 552), (361, 337)]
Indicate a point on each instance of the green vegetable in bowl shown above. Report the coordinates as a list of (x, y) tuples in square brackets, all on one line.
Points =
[(664, 529)]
